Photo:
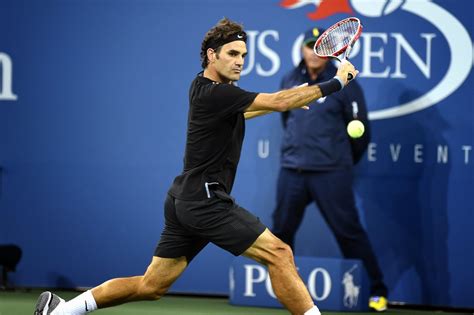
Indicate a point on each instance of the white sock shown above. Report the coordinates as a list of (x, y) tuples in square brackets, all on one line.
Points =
[(313, 311), (81, 304)]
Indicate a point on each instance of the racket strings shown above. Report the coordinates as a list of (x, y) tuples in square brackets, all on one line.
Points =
[(337, 38)]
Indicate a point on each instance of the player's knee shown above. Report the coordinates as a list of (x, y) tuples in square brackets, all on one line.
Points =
[(151, 290), (282, 254), (286, 252)]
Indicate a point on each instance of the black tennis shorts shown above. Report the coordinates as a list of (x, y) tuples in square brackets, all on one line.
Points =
[(191, 225)]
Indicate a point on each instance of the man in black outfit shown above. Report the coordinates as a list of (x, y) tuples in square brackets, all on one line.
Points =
[(199, 208)]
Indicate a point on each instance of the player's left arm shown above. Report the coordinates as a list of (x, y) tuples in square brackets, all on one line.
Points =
[(250, 115)]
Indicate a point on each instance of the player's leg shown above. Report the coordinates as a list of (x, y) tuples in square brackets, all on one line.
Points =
[(292, 198), (159, 276), (220, 220), (287, 284)]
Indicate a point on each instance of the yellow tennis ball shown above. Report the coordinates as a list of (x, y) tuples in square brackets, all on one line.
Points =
[(355, 129)]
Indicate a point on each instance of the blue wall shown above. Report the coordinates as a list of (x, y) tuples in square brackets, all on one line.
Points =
[(93, 133)]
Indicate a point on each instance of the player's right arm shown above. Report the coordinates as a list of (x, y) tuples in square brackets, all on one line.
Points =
[(285, 100), (301, 96)]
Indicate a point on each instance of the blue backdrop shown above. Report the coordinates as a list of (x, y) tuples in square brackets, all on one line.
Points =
[(93, 108)]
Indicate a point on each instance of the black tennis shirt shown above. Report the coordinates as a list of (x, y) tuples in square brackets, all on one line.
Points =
[(216, 129)]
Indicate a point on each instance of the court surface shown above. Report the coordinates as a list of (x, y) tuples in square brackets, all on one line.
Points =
[(21, 302)]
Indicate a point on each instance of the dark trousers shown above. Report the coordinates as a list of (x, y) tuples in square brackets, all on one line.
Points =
[(333, 194)]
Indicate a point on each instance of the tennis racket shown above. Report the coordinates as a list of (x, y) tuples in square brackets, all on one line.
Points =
[(338, 40)]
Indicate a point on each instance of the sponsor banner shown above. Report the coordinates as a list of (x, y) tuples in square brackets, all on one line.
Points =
[(334, 284)]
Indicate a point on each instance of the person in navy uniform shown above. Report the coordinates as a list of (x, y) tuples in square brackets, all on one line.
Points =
[(317, 157)]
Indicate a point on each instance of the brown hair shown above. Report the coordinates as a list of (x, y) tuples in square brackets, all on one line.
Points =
[(224, 29)]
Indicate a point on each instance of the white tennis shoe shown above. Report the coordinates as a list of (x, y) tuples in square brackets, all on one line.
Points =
[(47, 303)]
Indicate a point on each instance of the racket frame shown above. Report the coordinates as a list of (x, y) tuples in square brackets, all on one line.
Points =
[(347, 49)]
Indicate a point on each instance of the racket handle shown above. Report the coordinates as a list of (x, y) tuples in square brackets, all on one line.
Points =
[(346, 57)]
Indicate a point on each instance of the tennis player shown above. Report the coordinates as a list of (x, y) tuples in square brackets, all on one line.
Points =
[(199, 208)]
